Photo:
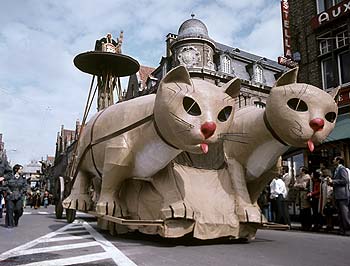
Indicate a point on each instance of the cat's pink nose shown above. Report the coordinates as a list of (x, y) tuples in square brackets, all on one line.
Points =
[(208, 129), (317, 124)]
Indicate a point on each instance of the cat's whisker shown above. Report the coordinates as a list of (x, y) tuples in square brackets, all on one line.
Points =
[(235, 134), (235, 137), (235, 141), (182, 121), (182, 131)]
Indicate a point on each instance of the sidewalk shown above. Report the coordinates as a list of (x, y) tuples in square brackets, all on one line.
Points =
[(297, 227)]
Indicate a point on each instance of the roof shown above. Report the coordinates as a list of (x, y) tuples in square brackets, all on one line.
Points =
[(193, 28), (50, 158), (251, 57), (145, 72), (341, 129)]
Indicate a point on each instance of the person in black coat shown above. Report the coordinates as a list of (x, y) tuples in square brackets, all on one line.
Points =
[(340, 183), (5, 172), (16, 187)]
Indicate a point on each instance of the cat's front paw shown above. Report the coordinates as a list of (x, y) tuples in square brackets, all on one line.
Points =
[(108, 207), (80, 202), (177, 210)]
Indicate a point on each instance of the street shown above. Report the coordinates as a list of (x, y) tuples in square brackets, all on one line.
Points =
[(41, 239)]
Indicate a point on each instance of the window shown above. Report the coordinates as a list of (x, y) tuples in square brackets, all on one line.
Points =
[(226, 62), (327, 73), (325, 45), (344, 67), (342, 39), (258, 74), (323, 5)]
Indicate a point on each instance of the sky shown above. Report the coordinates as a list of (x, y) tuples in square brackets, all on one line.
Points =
[(41, 89)]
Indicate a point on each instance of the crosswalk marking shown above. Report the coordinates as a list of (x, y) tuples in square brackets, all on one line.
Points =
[(67, 238), (72, 260), (58, 248), (43, 213), (71, 232), (80, 214), (110, 251), (119, 258)]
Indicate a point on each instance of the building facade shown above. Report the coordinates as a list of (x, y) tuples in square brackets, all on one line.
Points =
[(320, 43), (2, 149), (215, 62), (65, 148)]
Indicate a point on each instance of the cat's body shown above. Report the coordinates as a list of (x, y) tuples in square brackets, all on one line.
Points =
[(139, 137), (296, 114)]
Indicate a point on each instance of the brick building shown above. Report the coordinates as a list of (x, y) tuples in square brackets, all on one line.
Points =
[(319, 41), (65, 147)]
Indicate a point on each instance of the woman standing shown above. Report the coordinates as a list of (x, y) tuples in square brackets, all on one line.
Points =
[(16, 186), (302, 184), (326, 203)]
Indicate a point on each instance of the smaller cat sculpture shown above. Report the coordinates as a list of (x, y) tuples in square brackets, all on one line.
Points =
[(296, 114), (139, 137)]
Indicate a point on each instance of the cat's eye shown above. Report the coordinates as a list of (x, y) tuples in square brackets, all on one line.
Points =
[(191, 106), (331, 117), (225, 113), (297, 105)]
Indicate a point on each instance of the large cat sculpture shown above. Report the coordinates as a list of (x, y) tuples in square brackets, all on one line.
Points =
[(217, 201), (138, 138), (296, 114)]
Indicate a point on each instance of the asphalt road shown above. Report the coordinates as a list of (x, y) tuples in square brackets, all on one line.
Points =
[(41, 239)]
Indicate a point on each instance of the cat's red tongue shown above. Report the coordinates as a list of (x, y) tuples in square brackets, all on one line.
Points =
[(311, 145), (204, 147)]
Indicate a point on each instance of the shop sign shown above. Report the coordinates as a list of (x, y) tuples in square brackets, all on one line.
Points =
[(344, 96), (287, 62), (285, 28), (331, 14)]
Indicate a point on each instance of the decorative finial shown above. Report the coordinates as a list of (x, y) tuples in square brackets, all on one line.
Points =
[(192, 15)]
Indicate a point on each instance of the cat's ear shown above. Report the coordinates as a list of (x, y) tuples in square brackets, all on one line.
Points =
[(232, 87), (288, 77), (178, 74), (334, 92)]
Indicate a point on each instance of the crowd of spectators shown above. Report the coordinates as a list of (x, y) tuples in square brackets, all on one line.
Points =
[(318, 200)]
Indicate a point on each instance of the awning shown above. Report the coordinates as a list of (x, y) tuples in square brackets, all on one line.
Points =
[(341, 130)]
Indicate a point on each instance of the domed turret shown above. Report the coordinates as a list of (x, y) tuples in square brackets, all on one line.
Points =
[(193, 47), (193, 28)]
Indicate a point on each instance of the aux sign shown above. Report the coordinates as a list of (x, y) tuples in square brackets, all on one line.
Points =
[(330, 14)]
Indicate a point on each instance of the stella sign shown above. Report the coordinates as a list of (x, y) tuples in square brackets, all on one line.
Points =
[(342, 9), (285, 27)]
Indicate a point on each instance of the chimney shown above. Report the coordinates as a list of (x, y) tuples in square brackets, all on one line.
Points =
[(170, 38)]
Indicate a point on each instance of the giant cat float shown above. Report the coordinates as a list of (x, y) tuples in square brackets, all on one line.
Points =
[(189, 198), (138, 138)]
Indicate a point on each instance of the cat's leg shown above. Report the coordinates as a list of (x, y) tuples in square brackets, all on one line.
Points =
[(173, 205), (96, 181), (79, 197), (245, 209), (117, 167), (257, 186)]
